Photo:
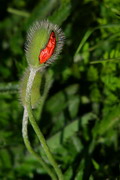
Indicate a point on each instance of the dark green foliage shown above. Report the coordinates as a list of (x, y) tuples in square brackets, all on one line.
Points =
[(81, 116)]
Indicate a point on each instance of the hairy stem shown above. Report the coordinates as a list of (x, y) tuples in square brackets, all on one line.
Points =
[(36, 127), (29, 147)]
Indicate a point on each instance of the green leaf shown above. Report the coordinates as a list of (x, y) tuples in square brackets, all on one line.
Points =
[(61, 14), (68, 174), (92, 74), (55, 141), (109, 120), (42, 10)]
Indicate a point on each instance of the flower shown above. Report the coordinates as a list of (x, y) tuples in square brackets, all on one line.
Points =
[(44, 43)]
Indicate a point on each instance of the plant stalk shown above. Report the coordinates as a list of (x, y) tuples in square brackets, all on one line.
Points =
[(36, 127), (29, 147)]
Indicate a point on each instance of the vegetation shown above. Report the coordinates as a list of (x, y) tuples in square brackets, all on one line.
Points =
[(81, 115)]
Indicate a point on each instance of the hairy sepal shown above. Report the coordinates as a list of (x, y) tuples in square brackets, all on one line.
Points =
[(35, 92)]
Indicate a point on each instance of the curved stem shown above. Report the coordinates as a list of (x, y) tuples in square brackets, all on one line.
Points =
[(29, 147), (36, 128)]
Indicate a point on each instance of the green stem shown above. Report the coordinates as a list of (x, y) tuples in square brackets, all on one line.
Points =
[(105, 60), (29, 147), (36, 128), (48, 83)]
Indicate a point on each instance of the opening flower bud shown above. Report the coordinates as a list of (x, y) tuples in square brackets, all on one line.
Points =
[(44, 43)]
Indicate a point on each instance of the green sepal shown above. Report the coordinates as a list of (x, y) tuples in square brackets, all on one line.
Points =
[(35, 92), (38, 42)]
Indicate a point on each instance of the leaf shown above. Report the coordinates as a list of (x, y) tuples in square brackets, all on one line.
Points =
[(42, 10), (68, 131), (61, 14), (74, 106), (55, 141), (110, 119), (5, 159), (56, 103), (79, 175), (68, 174), (92, 74), (95, 164)]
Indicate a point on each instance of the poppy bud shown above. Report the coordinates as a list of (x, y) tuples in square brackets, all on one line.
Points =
[(44, 43), (35, 91)]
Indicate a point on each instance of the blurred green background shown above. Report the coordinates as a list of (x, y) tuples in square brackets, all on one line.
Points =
[(81, 115)]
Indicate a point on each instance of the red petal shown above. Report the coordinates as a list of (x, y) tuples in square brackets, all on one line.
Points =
[(47, 52)]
